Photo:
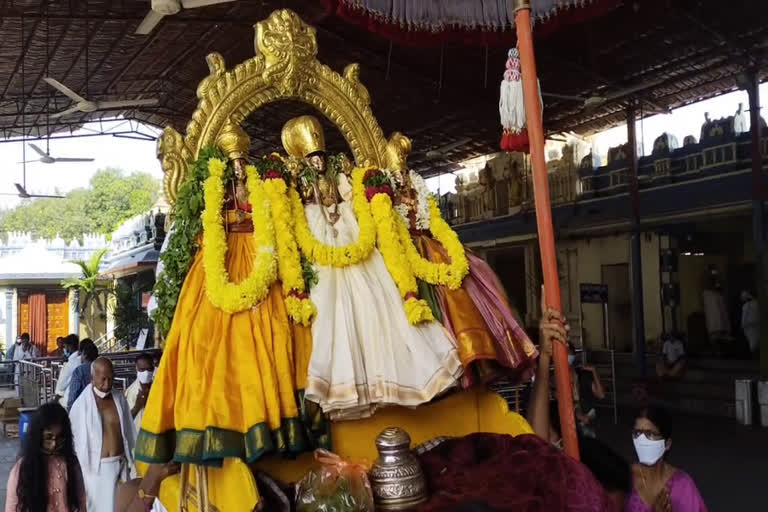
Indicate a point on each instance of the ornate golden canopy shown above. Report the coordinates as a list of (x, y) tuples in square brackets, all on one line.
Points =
[(285, 67)]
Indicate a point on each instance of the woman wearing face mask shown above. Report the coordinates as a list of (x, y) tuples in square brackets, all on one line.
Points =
[(47, 477), (658, 486)]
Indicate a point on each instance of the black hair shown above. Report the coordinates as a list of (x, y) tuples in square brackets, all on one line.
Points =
[(72, 342), (145, 357), (608, 467), (660, 417), (32, 489), (25, 337), (88, 350)]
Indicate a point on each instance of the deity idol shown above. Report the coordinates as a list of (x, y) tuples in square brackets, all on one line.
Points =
[(366, 353), (229, 386), (464, 292)]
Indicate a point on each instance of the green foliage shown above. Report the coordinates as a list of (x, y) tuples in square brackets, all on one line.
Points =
[(111, 199), (130, 319), (309, 273), (271, 167), (89, 286), (183, 244)]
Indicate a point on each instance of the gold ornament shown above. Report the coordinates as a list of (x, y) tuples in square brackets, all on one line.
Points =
[(233, 141), (285, 67), (303, 136)]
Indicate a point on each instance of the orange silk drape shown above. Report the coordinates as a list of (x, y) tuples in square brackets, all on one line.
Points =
[(38, 322)]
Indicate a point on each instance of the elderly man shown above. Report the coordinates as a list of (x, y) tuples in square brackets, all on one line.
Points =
[(138, 391), (104, 437), (72, 353)]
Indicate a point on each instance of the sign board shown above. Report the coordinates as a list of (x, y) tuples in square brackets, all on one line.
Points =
[(593, 293)]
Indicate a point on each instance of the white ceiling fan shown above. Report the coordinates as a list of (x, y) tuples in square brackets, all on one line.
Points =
[(83, 105), (163, 8), (46, 158)]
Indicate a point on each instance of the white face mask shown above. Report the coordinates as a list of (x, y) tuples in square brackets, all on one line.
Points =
[(649, 451), (145, 376), (101, 394)]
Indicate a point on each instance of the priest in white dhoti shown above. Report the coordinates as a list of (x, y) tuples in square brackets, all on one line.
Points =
[(104, 437)]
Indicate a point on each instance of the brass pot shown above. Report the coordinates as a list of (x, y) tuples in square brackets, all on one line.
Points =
[(396, 478)]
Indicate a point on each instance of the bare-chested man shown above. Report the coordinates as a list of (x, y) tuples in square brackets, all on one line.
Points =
[(104, 434)]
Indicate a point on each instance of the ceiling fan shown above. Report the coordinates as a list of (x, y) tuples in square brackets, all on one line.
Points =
[(26, 195), (163, 8), (46, 158), (22, 193), (86, 106)]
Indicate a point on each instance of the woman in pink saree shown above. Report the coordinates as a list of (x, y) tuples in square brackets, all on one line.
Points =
[(658, 486)]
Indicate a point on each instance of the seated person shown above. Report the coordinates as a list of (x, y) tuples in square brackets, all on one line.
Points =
[(672, 360)]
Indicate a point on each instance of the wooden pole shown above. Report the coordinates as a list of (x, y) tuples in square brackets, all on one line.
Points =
[(522, 18)]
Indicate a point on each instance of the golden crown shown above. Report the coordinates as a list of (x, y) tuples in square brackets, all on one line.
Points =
[(233, 141), (303, 136)]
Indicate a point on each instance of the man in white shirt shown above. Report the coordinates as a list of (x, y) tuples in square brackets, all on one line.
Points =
[(740, 120), (23, 352), (138, 392), (71, 352), (750, 320), (672, 362)]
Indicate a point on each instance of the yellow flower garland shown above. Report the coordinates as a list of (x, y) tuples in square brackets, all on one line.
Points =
[(300, 308), (328, 255), (417, 310), (447, 274), (225, 295)]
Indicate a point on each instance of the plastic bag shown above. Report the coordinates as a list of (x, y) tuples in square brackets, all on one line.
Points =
[(335, 486)]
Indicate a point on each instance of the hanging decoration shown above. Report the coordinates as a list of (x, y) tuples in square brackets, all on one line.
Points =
[(512, 106), (467, 22)]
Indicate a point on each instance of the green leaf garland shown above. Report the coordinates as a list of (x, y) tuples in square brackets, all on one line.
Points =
[(183, 244)]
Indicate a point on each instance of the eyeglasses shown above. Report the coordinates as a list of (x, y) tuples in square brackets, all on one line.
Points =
[(650, 434)]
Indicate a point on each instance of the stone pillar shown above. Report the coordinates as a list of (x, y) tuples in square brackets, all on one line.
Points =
[(10, 336)]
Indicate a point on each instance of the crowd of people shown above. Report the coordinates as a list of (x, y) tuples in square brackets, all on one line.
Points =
[(79, 447)]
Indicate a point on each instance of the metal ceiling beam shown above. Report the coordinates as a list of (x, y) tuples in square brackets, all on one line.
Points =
[(17, 14), (129, 65), (24, 47), (183, 55)]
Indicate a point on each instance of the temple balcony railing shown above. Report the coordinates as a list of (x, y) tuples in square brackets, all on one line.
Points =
[(720, 157)]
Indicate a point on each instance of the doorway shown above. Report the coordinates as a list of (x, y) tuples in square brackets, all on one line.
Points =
[(617, 279)]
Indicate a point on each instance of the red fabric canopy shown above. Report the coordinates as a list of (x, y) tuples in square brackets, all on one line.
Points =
[(414, 36)]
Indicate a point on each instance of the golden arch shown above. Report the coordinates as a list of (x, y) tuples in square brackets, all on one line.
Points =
[(285, 67)]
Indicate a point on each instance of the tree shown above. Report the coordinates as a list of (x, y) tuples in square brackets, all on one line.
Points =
[(111, 199), (89, 286)]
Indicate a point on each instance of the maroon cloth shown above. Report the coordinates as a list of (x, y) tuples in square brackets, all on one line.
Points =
[(520, 474)]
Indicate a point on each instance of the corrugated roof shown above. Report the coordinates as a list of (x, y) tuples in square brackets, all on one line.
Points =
[(667, 52)]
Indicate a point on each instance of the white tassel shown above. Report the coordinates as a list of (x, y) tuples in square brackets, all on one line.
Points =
[(512, 105), (511, 100)]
